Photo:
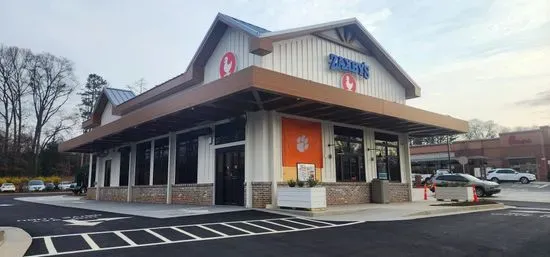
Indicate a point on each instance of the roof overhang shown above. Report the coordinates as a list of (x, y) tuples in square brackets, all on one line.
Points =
[(253, 89)]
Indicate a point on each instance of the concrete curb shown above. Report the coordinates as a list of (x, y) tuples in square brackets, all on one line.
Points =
[(14, 242), (458, 210)]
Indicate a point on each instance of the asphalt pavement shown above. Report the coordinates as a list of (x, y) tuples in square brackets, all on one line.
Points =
[(77, 232)]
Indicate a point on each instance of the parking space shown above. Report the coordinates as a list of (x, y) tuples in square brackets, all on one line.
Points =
[(117, 239)]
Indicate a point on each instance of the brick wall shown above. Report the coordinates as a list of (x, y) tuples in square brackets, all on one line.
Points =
[(347, 193), (199, 194), (149, 194), (399, 192), (118, 194), (261, 194), (91, 193)]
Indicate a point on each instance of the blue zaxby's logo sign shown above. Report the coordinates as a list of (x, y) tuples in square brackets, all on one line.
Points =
[(340, 63)]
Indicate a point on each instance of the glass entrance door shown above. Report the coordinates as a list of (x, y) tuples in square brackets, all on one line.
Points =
[(230, 176)]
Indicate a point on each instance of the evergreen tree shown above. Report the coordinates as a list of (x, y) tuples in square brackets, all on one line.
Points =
[(90, 94)]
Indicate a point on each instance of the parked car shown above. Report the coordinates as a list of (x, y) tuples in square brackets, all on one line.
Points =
[(483, 187), (510, 175), (7, 187), (50, 186), (429, 180), (36, 185), (423, 177), (64, 185), (78, 189)]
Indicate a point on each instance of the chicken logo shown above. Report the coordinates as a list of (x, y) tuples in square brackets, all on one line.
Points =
[(302, 143), (348, 82), (228, 64)]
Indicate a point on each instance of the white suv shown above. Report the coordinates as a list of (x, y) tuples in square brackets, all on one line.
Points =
[(498, 175)]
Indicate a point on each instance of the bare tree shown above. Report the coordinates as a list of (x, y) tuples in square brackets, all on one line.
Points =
[(479, 129), (14, 66), (52, 83), (139, 86)]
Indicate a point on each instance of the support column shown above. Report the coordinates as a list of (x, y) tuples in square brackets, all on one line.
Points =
[(90, 179), (405, 163), (99, 180), (132, 170), (152, 163), (171, 166)]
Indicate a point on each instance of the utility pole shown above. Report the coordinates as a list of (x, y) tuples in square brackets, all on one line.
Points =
[(449, 154)]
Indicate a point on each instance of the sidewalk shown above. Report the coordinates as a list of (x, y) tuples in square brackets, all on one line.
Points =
[(387, 212), (151, 210)]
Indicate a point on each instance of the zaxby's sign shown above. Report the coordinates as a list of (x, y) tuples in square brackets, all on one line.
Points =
[(340, 63)]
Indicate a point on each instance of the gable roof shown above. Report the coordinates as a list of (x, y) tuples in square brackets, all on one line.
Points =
[(114, 96), (117, 96), (261, 43)]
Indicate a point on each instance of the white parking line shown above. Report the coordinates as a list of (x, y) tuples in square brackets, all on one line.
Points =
[(237, 228), (49, 245), (260, 227), (125, 238), (157, 235), (545, 212), (543, 186), (318, 221), (51, 250), (90, 242), (300, 223), (185, 232), (277, 224), (212, 230), (532, 208)]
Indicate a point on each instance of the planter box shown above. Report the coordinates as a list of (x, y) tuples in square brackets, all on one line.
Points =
[(454, 193), (302, 197)]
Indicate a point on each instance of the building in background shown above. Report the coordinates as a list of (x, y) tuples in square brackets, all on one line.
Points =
[(254, 105), (526, 151)]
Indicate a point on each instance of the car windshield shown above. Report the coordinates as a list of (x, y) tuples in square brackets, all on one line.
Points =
[(470, 177), (8, 184), (36, 182)]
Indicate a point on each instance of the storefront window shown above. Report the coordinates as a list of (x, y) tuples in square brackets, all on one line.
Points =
[(230, 132), (107, 177), (143, 163), (528, 165), (387, 157), (160, 166), (93, 178), (186, 159), (348, 146), (124, 166)]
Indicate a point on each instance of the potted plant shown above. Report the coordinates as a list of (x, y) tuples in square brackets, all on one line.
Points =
[(312, 197)]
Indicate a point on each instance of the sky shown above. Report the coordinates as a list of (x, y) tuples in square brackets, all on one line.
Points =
[(481, 59)]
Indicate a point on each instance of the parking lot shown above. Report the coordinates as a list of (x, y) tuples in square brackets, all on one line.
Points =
[(63, 231)]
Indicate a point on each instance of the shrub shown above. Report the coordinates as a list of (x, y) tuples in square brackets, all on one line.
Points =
[(311, 182), (300, 183), (291, 183)]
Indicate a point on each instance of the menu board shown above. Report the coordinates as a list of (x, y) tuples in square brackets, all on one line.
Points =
[(305, 171)]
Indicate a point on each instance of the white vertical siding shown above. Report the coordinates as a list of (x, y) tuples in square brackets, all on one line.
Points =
[(404, 158), (114, 156), (329, 156), (232, 41), (107, 115), (206, 160), (307, 57), (370, 156)]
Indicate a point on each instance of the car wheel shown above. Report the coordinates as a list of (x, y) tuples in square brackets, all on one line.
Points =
[(524, 180), (488, 195), (479, 191), (495, 179)]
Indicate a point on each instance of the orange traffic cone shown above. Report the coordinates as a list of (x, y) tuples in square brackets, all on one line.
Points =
[(434, 186), (475, 194), (425, 192)]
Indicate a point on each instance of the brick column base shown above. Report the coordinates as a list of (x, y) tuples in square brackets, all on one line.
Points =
[(399, 192), (198, 194), (91, 193), (117, 194), (261, 194), (149, 194)]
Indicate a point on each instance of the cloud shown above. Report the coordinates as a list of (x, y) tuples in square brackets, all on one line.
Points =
[(540, 99)]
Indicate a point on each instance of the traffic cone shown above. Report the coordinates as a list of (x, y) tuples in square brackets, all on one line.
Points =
[(475, 194), (425, 192), (434, 187)]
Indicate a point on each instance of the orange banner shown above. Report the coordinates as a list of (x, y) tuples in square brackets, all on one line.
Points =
[(302, 143)]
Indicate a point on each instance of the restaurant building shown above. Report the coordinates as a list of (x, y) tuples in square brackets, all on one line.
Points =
[(254, 104), (525, 151)]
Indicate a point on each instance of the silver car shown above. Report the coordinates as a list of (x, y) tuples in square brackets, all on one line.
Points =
[(483, 187)]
